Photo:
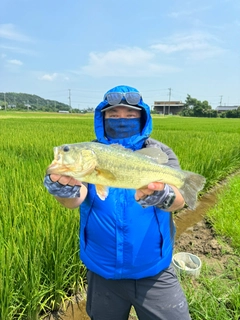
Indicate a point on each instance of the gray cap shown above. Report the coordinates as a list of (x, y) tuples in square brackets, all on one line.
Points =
[(121, 105)]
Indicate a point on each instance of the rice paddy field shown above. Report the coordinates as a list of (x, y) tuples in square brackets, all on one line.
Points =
[(39, 251)]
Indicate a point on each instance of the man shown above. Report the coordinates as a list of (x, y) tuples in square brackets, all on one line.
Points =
[(127, 240)]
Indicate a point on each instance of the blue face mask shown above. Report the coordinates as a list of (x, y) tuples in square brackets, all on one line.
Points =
[(121, 128)]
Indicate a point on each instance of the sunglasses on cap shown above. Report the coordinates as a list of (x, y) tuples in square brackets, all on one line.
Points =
[(114, 98)]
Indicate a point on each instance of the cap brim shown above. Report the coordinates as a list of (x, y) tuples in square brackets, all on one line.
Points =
[(121, 105)]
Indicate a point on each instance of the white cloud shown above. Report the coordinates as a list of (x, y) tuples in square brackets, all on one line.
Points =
[(236, 23), (195, 46), (129, 62), (135, 61), (8, 31), (54, 76), (190, 13), (17, 50), (178, 14), (15, 62), (49, 77)]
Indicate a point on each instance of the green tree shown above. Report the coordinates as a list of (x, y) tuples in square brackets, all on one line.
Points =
[(233, 113), (197, 108)]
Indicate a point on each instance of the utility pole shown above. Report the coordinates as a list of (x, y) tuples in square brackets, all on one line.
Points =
[(221, 101), (169, 99), (69, 99), (5, 104)]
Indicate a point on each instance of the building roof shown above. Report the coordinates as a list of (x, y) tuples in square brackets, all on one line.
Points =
[(168, 103), (226, 108)]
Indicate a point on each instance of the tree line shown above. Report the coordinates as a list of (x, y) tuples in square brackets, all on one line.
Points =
[(197, 108), (23, 101)]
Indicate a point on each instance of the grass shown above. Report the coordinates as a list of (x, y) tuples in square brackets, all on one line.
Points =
[(214, 296), (39, 251), (225, 216)]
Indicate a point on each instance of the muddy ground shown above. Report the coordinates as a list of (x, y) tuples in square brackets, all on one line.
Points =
[(193, 235)]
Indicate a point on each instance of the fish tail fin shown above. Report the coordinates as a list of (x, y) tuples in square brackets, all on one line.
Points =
[(192, 185)]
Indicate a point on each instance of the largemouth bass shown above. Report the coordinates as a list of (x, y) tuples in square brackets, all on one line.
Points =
[(115, 166)]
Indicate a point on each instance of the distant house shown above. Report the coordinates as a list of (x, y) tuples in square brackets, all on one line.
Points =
[(11, 106), (63, 111), (28, 106), (226, 108), (168, 107)]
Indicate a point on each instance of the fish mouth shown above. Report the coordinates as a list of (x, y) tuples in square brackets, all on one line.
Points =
[(52, 167), (56, 168), (56, 164)]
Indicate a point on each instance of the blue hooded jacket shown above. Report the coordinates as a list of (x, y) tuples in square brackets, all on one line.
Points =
[(118, 238), (135, 142)]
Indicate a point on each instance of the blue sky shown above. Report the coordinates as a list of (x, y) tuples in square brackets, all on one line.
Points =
[(56, 49)]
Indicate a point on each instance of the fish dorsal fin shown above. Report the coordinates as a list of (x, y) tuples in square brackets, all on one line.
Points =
[(119, 147), (155, 154)]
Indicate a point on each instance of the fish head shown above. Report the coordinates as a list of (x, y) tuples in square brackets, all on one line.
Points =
[(72, 160)]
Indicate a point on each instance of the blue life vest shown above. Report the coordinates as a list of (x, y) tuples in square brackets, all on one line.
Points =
[(118, 238)]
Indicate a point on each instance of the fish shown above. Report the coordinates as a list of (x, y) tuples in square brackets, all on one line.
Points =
[(114, 166)]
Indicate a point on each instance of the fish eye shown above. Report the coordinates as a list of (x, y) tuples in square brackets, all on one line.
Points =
[(66, 148)]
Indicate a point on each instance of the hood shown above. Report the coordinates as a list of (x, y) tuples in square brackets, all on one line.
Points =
[(135, 142)]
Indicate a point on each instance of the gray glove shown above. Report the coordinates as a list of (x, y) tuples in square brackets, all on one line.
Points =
[(60, 190), (162, 199)]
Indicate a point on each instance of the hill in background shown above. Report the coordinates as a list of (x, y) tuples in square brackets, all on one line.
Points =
[(24, 101)]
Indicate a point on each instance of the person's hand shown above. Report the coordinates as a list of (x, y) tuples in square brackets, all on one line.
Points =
[(65, 180), (153, 186), (62, 186), (156, 194)]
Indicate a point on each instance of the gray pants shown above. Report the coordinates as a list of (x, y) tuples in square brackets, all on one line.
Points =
[(154, 298)]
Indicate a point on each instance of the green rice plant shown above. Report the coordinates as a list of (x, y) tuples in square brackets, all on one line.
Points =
[(39, 249), (216, 125), (212, 153), (7, 274), (225, 216), (39, 239), (214, 296)]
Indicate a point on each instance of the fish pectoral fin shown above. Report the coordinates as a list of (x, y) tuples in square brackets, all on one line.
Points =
[(106, 174), (102, 191), (155, 154)]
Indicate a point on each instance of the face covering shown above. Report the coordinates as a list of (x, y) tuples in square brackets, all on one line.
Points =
[(122, 127)]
